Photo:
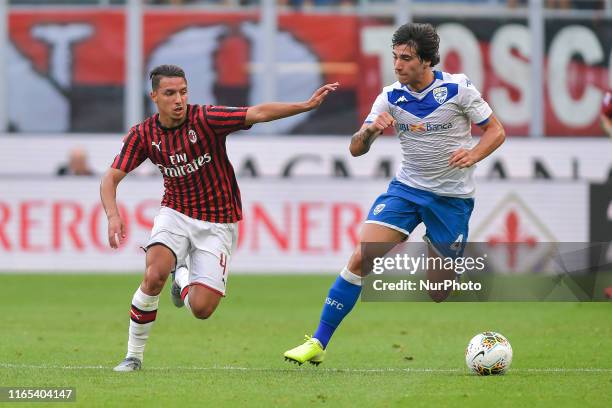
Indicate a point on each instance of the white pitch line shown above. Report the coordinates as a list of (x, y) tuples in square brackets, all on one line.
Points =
[(332, 370)]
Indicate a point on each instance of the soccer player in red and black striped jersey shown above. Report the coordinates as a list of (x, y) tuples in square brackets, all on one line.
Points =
[(195, 232)]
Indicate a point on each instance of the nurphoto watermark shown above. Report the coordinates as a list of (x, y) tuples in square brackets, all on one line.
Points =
[(486, 272)]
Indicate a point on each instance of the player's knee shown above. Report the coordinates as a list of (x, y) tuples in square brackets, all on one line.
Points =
[(439, 296), (203, 312), (153, 281), (354, 264), (202, 301)]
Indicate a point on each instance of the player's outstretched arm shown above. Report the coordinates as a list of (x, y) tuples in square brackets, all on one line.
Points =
[(108, 195), (364, 137), (267, 112), (493, 136)]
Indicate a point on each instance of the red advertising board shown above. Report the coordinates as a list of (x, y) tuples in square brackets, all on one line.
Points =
[(72, 66)]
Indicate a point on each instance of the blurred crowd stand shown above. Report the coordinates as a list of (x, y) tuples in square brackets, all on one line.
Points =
[(77, 165)]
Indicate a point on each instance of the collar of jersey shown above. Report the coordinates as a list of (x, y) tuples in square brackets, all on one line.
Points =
[(162, 127), (437, 77)]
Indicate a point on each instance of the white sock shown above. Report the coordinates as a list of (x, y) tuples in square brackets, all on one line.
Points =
[(350, 277), (142, 316), (181, 276)]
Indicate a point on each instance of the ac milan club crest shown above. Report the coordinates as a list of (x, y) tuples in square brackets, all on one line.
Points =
[(193, 136)]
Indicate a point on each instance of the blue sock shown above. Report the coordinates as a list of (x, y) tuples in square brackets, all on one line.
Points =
[(341, 298)]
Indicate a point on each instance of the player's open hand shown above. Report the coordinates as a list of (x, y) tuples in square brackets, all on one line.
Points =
[(116, 231), (320, 94), (383, 121), (462, 158)]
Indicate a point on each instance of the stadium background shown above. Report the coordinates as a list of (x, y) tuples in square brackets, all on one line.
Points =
[(73, 75)]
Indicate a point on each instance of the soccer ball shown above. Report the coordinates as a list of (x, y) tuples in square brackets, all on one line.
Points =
[(488, 353)]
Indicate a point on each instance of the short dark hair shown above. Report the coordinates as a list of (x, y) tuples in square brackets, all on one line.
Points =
[(423, 38), (165, 71)]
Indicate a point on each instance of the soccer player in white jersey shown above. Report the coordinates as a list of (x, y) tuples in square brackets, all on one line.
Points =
[(432, 113)]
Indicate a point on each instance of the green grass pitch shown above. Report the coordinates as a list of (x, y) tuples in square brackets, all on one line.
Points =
[(70, 330)]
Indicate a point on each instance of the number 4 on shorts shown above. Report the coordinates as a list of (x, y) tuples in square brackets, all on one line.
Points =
[(456, 246), (223, 262)]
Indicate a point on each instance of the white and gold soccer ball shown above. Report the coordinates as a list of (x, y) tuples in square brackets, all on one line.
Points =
[(488, 353)]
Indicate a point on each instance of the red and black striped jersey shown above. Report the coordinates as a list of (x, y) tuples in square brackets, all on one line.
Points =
[(199, 180)]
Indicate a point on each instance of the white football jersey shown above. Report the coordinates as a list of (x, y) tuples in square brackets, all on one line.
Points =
[(431, 125)]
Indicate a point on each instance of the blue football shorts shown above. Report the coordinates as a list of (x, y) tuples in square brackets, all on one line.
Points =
[(446, 219)]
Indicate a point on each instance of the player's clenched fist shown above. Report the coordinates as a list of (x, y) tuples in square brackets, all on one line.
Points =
[(383, 121), (462, 158)]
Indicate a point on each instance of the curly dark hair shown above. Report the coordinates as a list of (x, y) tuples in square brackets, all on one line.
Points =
[(423, 38), (165, 71)]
